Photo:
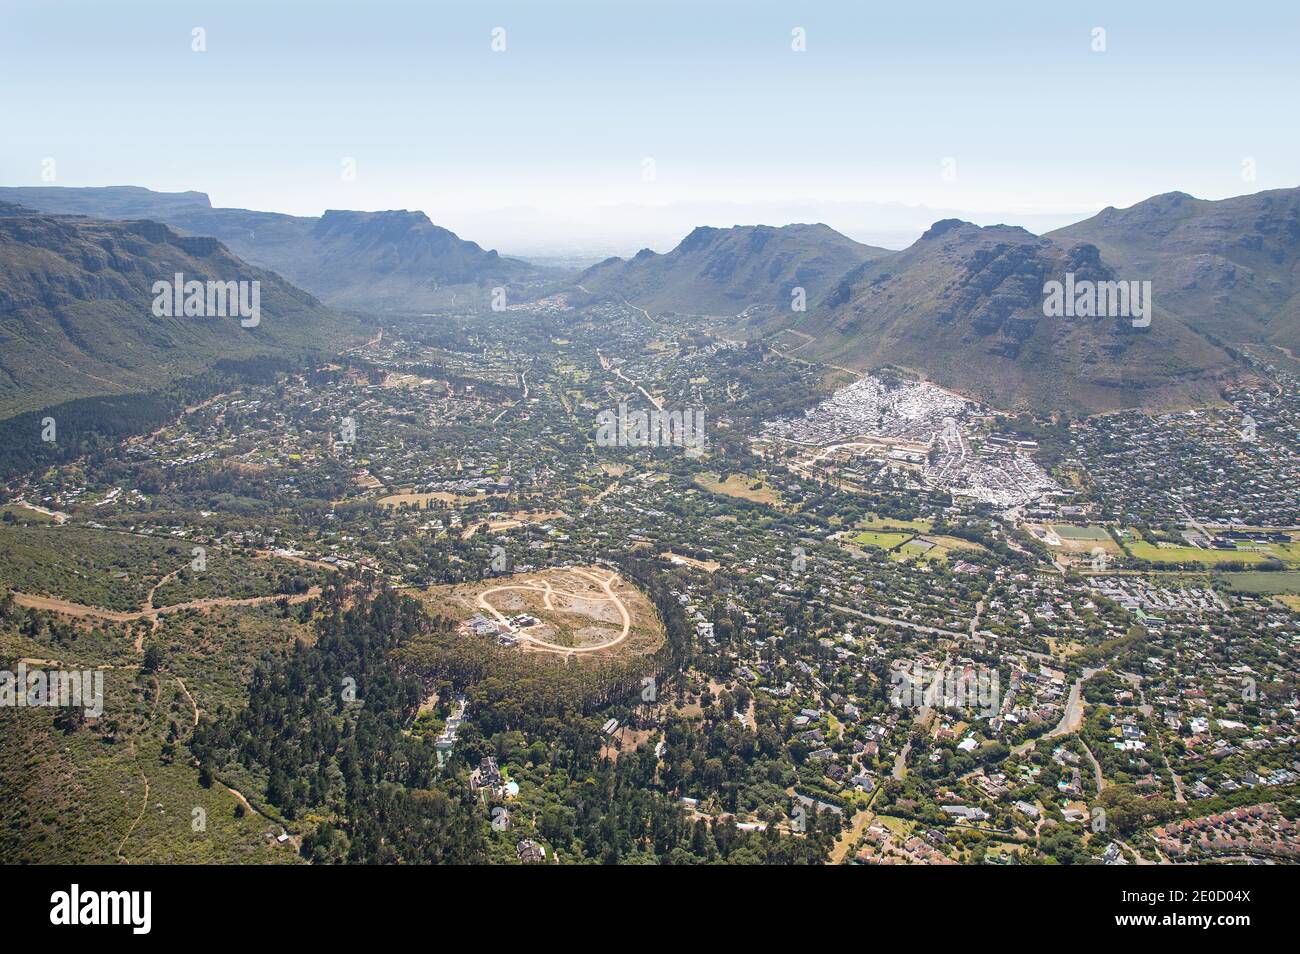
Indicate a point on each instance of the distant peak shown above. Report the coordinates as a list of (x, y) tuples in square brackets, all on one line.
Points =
[(352, 215), (942, 227), (700, 236)]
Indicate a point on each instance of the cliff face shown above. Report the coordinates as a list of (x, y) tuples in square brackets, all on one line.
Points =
[(77, 316)]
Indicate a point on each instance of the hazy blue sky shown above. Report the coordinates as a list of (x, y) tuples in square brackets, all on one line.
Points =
[(544, 143)]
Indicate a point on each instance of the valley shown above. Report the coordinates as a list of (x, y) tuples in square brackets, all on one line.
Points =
[(429, 522)]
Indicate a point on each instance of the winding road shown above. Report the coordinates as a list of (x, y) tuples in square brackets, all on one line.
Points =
[(548, 593)]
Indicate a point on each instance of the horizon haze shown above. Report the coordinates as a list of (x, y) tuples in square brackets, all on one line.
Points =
[(587, 129)]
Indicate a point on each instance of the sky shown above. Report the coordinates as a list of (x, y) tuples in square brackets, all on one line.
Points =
[(603, 127)]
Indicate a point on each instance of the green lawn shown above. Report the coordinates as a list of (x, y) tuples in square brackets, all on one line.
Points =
[(1286, 581), (1141, 550), (25, 514), (879, 538), (1068, 531), (1288, 552), (876, 522)]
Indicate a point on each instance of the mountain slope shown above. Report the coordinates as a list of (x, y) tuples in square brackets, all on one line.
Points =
[(106, 202), (725, 271), (365, 261), (963, 306), (1229, 267), (76, 309)]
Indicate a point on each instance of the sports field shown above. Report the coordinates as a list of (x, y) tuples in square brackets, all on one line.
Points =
[(1284, 582)]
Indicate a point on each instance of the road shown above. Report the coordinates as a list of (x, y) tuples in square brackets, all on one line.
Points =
[(548, 592), (900, 761), (889, 621), (1096, 768), (143, 806), (851, 835), (607, 366), (1071, 718), (84, 611)]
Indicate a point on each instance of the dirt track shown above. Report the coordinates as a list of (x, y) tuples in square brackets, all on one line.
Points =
[(81, 610), (548, 593)]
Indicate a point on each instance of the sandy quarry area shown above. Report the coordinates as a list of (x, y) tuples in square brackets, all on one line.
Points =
[(578, 611)]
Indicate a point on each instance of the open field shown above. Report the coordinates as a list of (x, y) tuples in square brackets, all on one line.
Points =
[(1287, 552), (741, 487), (511, 521), (709, 566), (418, 501), (951, 543), (914, 549), (27, 513), (906, 546), (1141, 550), (1075, 540), (578, 611), (879, 538), (877, 522), (1091, 533), (1283, 582)]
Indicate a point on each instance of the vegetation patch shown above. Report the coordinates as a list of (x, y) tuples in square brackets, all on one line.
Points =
[(740, 486), (1284, 582)]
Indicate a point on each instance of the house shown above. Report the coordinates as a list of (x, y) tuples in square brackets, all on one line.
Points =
[(530, 852), (487, 775), (481, 626), (864, 781), (1027, 809)]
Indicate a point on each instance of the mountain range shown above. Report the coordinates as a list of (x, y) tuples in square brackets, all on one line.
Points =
[(77, 315), (963, 306), (1228, 268), (375, 262), (723, 271)]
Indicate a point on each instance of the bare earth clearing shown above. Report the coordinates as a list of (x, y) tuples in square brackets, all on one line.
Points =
[(578, 611)]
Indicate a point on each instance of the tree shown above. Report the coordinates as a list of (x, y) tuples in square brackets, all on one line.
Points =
[(153, 658)]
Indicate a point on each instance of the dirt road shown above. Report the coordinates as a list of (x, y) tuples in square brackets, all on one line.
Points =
[(548, 593), (83, 611)]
